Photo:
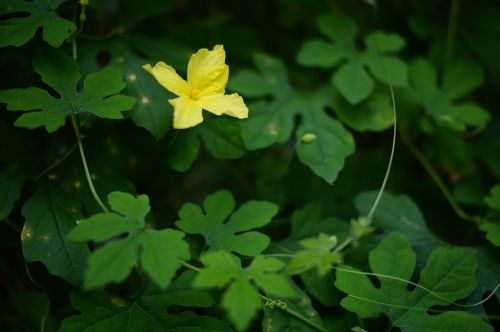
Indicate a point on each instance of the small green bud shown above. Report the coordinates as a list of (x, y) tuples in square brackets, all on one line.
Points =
[(308, 138), (361, 227), (84, 3)]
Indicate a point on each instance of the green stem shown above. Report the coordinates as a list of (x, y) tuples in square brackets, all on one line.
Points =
[(76, 126), (344, 244), (296, 315), (439, 182), (190, 266), (450, 37)]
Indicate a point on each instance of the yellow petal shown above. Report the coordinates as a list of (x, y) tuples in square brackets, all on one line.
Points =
[(168, 78), (187, 112), (232, 105), (207, 71)]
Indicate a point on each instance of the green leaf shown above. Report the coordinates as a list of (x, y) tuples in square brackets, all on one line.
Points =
[(12, 178), (222, 138), (400, 214), (268, 122), (443, 102), (275, 320), (17, 31), (373, 114), (326, 154), (449, 272), (317, 253), (493, 200), (184, 150), (152, 111), (352, 77), (99, 95), (233, 235), (158, 251), (101, 311), (49, 215), (492, 229), (241, 299)]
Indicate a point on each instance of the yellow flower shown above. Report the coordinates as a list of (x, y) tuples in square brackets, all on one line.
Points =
[(206, 80)]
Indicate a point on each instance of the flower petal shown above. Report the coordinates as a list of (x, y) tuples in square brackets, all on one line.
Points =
[(232, 105), (168, 78), (207, 71), (187, 112)]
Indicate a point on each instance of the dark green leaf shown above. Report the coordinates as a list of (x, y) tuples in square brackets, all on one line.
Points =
[(12, 178), (448, 272), (18, 31), (103, 312), (99, 95), (50, 214)]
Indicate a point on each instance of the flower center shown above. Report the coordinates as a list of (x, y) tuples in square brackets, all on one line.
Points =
[(195, 93)]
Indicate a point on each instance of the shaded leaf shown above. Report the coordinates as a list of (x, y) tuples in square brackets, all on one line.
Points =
[(17, 31), (101, 311), (49, 215), (99, 96)]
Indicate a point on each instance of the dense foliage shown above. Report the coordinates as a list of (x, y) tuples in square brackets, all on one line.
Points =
[(113, 219)]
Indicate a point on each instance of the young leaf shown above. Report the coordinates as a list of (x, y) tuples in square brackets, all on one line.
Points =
[(241, 299), (12, 179), (150, 312), (441, 102), (99, 95), (161, 250), (50, 214), (449, 272), (18, 31), (352, 78), (221, 235)]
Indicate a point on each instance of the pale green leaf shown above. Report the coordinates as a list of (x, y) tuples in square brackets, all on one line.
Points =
[(230, 235)]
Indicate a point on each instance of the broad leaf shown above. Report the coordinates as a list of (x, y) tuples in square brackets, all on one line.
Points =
[(355, 68), (332, 144), (493, 200), (268, 122), (449, 272), (49, 215), (103, 312), (17, 31), (158, 251), (241, 299), (443, 102), (233, 235), (99, 95)]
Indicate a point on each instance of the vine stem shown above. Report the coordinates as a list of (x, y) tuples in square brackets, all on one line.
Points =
[(76, 126), (297, 315), (439, 182), (78, 133)]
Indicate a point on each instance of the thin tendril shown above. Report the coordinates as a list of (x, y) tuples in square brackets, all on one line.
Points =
[(394, 133)]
